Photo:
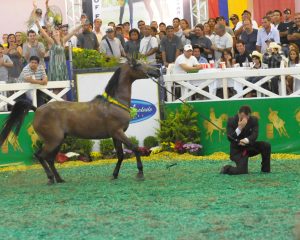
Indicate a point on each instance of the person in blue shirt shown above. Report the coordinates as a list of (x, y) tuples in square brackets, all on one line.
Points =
[(197, 52)]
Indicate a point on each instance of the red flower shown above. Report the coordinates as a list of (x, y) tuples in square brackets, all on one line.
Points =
[(61, 157)]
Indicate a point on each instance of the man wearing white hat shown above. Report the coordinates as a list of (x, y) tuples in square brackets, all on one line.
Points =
[(186, 62)]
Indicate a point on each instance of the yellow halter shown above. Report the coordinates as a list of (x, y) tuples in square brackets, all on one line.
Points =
[(115, 102)]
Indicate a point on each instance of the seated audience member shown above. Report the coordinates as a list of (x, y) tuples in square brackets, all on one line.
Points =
[(197, 52), (35, 73), (256, 58), (111, 45), (186, 62), (293, 46), (292, 61), (273, 58), (242, 55), (170, 47), (227, 58), (249, 35), (132, 46)]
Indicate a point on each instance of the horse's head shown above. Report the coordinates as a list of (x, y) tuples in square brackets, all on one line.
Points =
[(140, 70)]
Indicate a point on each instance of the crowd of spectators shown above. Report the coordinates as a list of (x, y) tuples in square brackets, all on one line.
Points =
[(246, 43)]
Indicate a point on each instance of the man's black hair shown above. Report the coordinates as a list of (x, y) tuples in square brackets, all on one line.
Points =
[(34, 58), (245, 109), (30, 31)]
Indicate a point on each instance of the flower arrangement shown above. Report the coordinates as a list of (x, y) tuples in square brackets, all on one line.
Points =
[(193, 148), (87, 58), (95, 155)]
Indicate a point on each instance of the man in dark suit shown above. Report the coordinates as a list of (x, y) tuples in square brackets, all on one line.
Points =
[(242, 132)]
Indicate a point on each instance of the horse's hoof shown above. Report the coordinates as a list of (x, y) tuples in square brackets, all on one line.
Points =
[(60, 181), (50, 182), (140, 176), (114, 177)]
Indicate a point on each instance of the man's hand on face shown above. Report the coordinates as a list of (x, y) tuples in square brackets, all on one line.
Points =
[(242, 123)]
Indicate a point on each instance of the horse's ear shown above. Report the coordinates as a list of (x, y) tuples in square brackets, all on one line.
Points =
[(131, 61)]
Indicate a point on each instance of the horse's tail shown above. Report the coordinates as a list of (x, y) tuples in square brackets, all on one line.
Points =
[(15, 119)]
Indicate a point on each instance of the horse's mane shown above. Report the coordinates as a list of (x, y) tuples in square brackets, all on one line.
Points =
[(113, 83)]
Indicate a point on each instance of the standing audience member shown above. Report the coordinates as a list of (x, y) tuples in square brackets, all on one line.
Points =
[(242, 131), (294, 32), (242, 55), (4, 40), (197, 37), (15, 54), (249, 35), (19, 40), (57, 70), (266, 34), (132, 46), (283, 29), (148, 45), (234, 20), (87, 39), (97, 29), (111, 45), (34, 73), (184, 25), (212, 23), (177, 30), (239, 26), (5, 65), (170, 47), (223, 41), (277, 18), (126, 29), (33, 48), (162, 27)]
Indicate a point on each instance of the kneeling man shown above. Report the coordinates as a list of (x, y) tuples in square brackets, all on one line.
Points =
[(242, 132)]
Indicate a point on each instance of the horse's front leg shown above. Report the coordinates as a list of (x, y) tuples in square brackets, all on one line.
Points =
[(120, 155), (124, 139)]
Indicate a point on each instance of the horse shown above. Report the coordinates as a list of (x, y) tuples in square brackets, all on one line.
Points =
[(106, 116)]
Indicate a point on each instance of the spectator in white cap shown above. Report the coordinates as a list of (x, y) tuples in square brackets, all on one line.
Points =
[(111, 45), (186, 62)]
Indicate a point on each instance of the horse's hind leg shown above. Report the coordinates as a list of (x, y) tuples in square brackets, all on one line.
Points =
[(48, 154), (123, 138), (50, 161), (45, 166), (120, 155)]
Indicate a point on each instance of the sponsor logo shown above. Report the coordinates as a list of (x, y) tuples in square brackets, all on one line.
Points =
[(145, 110)]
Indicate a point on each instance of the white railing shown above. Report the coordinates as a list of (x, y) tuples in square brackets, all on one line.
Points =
[(231, 77), (20, 88)]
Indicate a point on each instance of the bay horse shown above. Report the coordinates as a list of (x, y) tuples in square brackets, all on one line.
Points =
[(106, 116)]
